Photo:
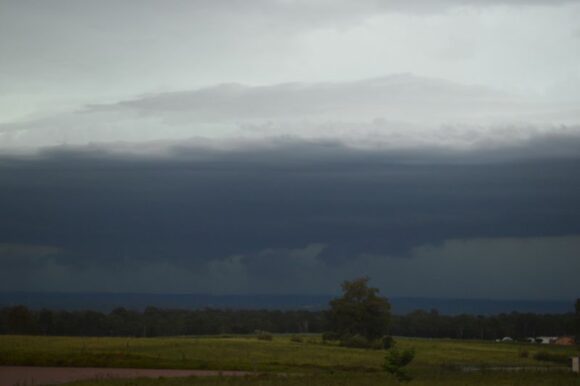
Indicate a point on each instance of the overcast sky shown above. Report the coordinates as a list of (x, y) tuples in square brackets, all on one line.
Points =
[(281, 146)]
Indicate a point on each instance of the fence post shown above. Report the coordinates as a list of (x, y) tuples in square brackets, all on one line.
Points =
[(576, 364)]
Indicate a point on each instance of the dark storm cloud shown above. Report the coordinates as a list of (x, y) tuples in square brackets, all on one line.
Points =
[(255, 212), (23, 256)]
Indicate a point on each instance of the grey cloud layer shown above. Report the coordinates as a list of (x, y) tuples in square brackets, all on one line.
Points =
[(292, 217), (386, 95), (397, 111), (64, 53), (433, 186)]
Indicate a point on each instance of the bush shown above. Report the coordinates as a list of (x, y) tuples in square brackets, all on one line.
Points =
[(551, 357), (359, 341), (523, 353), (355, 341), (330, 336), (263, 335), (296, 338), (387, 342), (376, 344), (395, 362)]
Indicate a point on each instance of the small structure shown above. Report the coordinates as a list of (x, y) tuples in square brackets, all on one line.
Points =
[(507, 339), (546, 339), (565, 341)]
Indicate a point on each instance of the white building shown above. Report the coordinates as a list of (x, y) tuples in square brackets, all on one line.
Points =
[(546, 339)]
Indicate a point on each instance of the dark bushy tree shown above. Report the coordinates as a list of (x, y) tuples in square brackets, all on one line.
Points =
[(360, 311)]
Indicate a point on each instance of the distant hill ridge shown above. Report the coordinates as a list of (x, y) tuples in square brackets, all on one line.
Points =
[(139, 301)]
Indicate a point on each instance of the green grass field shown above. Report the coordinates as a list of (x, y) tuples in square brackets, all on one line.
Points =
[(311, 362)]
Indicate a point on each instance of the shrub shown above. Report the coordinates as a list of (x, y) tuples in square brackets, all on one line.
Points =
[(355, 341), (523, 353), (263, 335), (359, 341), (388, 342), (551, 357), (296, 338), (376, 344), (330, 336), (396, 361)]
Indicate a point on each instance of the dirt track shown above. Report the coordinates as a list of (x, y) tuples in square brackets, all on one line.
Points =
[(32, 375)]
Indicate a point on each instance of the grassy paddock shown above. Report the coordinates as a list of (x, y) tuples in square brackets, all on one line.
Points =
[(437, 362), (359, 379)]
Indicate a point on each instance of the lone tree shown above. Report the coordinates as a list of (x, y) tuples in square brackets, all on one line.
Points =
[(359, 311)]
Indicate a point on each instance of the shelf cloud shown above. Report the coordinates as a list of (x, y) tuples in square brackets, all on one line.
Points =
[(260, 218), (283, 146)]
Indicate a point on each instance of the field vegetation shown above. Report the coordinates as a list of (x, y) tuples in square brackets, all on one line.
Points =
[(287, 360), (354, 351)]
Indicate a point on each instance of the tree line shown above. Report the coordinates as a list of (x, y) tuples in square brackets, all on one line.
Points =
[(153, 322), (515, 325)]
